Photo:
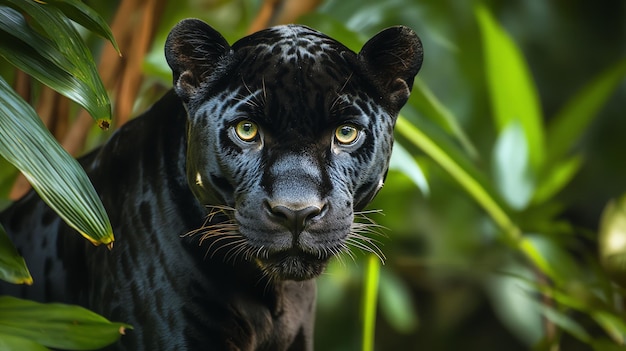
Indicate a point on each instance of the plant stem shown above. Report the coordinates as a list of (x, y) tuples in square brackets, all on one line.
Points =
[(370, 298)]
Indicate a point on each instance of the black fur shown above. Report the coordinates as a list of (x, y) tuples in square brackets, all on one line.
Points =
[(218, 236)]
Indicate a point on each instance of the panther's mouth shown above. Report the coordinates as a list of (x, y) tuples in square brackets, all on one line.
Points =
[(292, 265)]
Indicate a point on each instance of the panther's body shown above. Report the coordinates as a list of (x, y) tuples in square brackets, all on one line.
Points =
[(231, 193)]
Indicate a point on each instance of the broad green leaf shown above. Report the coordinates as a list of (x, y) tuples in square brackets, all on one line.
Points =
[(612, 239), (370, 302), (53, 173), (511, 166), (57, 325), (512, 91), (401, 160), (85, 16), (12, 266), (62, 46), (10, 342), (574, 118)]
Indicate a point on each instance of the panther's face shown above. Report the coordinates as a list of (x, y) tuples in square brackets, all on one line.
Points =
[(289, 133)]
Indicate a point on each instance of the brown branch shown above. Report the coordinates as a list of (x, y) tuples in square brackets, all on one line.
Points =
[(275, 12)]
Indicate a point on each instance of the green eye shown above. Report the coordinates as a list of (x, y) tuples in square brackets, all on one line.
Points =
[(346, 134), (246, 130)]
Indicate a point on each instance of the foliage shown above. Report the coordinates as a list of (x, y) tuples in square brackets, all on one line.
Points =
[(58, 58), (25, 324), (495, 193)]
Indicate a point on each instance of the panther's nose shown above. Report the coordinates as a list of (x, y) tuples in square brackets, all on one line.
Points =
[(295, 219)]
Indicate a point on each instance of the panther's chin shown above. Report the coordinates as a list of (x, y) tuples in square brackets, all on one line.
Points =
[(290, 265)]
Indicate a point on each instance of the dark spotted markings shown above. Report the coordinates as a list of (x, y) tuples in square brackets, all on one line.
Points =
[(232, 192)]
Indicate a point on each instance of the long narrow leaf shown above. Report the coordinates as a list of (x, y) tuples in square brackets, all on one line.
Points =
[(87, 17), (568, 125), (54, 174), (57, 325), (424, 100), (511, 88), (12, 266), (64, 37), (453, 166), (40, 58)]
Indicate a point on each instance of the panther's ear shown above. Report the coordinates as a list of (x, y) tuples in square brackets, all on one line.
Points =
[(392, 58), (193, 51)]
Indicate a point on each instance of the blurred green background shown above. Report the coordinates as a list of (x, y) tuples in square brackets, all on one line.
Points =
[(452, 280)]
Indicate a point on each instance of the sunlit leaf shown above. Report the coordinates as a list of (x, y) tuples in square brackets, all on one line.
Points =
[(568, 125), (85, 16), (57, 325), (513, 94), (12, 266), (401, 160), (511, 166), (53, 173), (62, 47), (612, 239)]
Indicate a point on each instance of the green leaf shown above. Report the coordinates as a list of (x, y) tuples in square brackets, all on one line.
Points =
[(15, 343), (573, 120), (612, 239), (565, 322), (511, 166), (57, 325), (513, 94), (403, 161), (424, 100), (12, 266), (558, 176), (87, 17), (554, 260), (60, 60), (396, 304), (53, 173), (461, 171)]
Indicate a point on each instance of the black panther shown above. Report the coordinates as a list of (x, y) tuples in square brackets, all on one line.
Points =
[(232, 192)]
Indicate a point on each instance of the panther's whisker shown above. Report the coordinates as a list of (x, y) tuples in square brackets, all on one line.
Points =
[(363, 245)]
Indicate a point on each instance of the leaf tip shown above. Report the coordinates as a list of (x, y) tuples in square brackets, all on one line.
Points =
[(104, 124)]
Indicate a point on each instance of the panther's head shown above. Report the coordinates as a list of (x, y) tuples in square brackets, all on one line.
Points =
[(292, 132)]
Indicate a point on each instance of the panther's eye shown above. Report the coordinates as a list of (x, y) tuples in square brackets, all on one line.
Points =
[(247, 130), (346, 134)]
